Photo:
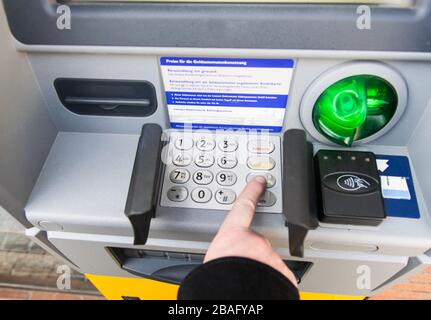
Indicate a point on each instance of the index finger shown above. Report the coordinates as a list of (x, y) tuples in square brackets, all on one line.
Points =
[(244, 208)]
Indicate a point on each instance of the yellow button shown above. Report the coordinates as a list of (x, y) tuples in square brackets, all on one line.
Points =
[(261, 163)]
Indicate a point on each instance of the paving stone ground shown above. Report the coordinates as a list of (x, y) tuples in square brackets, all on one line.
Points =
[(27, 272), (22, 294)]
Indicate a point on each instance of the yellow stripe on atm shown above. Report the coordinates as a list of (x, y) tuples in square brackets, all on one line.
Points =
[(119, 288)]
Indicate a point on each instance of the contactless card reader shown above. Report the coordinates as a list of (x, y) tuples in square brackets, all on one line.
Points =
[(350, 191)]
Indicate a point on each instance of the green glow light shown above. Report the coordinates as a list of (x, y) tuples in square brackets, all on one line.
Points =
[(354, 108)]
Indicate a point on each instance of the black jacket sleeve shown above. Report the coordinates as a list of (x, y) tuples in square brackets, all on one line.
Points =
[(235, 278)]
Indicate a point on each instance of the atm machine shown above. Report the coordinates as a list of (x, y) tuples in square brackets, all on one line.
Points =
[(129, 128)]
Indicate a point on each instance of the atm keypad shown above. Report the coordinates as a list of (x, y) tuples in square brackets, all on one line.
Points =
[(209, 171)]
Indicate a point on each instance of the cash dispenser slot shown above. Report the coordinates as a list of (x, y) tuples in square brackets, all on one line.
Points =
[(173, 267), (164, 266)]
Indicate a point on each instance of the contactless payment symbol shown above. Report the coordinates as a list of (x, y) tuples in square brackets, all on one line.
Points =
[(350, 182)]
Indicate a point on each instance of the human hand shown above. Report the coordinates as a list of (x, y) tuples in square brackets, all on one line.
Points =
[(236, 239)]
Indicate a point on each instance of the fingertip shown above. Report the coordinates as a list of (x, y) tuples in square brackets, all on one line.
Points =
[(260, 179), (244, 207)]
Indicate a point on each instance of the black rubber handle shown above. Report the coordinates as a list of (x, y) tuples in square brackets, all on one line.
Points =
[(299, 194), (141, 199)]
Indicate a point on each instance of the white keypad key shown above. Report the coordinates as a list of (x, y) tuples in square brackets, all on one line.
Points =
[(204, 160), (270, 179), (179, 176), (226, 178), (267, 200), (177, 194), (227, 161), (261, 163), (225, 196), (261, 146), (205, 144), (183, 143), (182, 159), (203, 177), (228, 144), (201, 195)]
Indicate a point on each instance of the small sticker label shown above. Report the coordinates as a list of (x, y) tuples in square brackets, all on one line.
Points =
[(397, 187)]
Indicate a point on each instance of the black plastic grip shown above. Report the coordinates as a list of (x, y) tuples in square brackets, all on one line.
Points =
[(141, 199), (299, 194)]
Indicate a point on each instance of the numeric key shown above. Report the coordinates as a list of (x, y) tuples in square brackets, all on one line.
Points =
[(179, 176), (205, 144), (227, 161), (201, 195), (203, 177), (182, 159), (228, 144), (183, 143), (204, 160), (226, 178)]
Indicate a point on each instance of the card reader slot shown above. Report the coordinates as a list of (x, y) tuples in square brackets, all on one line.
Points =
[(106, 97), (108, 104)]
